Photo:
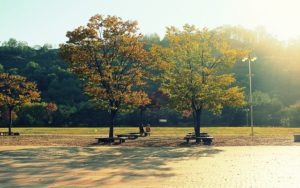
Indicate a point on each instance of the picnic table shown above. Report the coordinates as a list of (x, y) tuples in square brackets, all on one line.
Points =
[(107, 140), (12, 134), (201, 134), (129, 136), (136, 133), (204, 137), (140, 134)]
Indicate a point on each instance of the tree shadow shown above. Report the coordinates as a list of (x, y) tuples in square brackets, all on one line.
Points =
[(45, 166)]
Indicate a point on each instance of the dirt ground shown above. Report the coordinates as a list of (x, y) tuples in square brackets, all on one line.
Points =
[(118, 166), (153, 161), (155, 141)]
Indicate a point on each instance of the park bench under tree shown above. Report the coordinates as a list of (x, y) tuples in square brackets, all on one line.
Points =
[(204, 137), (108, 140), (7, 134), (128, 136), (121, 138)]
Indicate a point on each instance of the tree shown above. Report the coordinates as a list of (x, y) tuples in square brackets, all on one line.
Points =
[(194, 71), (1, 68), (154, 98), (151, 39), (33, 114), (109, 57), (16, 91), (12, 43), (51, 108)]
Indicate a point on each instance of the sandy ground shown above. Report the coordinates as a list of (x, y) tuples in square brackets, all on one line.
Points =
[(204, 166), (150, 141)]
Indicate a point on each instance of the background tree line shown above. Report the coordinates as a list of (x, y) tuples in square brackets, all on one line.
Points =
[(275, 85)]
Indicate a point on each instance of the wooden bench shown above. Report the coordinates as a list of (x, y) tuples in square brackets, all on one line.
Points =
[(296, 137), (128, 136), (107, 140), (139, 134), (207, 140), (3, 133), (6, 134), (201, 134)]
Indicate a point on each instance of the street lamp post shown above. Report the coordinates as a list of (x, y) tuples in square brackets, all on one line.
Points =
[(250, 59), (247, 116)]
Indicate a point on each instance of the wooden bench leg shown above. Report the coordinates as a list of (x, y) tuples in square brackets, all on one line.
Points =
[(187, 140), (207, 141), (121, 140)]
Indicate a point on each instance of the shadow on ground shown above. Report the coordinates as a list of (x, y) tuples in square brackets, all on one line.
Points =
[(90, 166)]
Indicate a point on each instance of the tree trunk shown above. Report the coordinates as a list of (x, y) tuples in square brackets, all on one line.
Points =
[(141, 126), (112, 123), (198, 113), (194, 120), (10, 121)]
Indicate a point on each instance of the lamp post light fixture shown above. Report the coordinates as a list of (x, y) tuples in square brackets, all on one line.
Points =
[(250, 59)]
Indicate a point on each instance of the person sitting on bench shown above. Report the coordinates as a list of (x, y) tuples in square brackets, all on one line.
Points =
[(148, 130)]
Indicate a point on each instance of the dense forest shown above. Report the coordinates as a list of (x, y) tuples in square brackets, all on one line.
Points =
[(276, 90)]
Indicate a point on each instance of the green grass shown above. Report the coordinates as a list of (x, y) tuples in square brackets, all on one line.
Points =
[(175, 131)]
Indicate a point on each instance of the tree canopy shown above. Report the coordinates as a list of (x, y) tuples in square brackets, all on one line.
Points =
[(16, 91), (109, 57), (194, 71), (275, 84)]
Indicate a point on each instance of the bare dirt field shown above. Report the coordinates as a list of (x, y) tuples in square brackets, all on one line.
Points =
[(155, 141), (153, 161), (203, 166)]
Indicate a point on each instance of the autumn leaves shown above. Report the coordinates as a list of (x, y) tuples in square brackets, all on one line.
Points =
[(16, 91), (109, 56)]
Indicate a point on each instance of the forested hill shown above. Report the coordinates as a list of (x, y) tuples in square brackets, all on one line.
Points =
[(276, 87), (55, 82)]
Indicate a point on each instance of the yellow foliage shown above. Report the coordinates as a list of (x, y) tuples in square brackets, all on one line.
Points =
[(109, 56), (17, 91), (192, 69)]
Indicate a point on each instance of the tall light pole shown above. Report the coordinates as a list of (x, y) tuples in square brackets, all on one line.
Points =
[(250, 59), (247, 116)]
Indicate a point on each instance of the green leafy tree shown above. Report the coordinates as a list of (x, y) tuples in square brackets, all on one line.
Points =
[(1, 68), (51, 108), (109, 56), (149, 40), (12, 43), (194, 75), (16, 91), (33, 114), (290, 115)]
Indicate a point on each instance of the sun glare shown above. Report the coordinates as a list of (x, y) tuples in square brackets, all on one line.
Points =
[(278, 17)]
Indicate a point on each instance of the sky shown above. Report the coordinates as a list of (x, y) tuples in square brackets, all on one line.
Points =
[(47, 21)]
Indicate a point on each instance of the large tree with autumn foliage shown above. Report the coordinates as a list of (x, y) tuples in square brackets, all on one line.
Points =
[(194, 74), (109, 57), (16, 91)]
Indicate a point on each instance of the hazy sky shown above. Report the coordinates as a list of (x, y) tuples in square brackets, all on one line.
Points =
[(47, 21)]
